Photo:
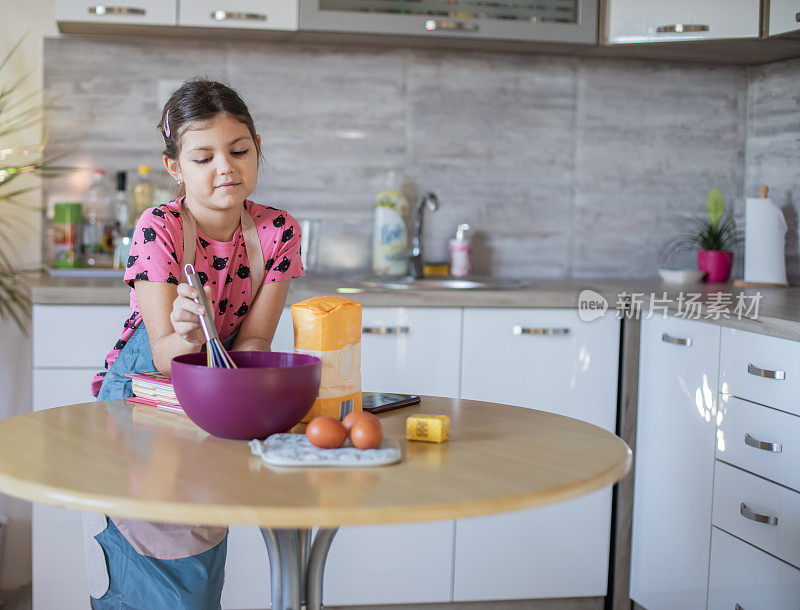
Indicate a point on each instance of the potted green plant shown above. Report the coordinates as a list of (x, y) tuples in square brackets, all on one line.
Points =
[(17, 113), (714, 236)]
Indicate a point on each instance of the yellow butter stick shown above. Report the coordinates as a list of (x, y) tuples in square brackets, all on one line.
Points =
[(431, 428)]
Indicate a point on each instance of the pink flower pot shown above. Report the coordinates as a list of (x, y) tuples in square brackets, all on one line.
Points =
[(716, 263)]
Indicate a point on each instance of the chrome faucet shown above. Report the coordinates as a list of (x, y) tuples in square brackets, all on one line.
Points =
[(415, 267)]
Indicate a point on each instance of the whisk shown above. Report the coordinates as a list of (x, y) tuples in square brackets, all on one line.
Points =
[(216, 354)]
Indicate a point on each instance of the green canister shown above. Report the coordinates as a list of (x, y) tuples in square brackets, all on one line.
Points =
[(65, 233)]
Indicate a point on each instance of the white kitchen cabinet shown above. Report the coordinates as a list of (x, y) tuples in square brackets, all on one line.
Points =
[(247, 577), (413, 350), (631, 21), (75, 336), (134, 12), (553, 361), (69, 344), (674, 463), (408, 563), (742, 576), (240, 14), (283, 341), (784, 16)]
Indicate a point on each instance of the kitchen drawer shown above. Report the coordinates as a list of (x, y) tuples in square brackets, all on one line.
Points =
[(546, 359), (760, 368), (632, 21), (410, 350), (241, 14), (75, 335), (734, 488), (742, 576), (760, 439), (141, 12)]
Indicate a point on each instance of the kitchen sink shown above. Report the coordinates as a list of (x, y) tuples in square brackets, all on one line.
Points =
[(438, 283)]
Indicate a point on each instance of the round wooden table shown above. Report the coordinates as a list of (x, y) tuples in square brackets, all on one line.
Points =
[(134, 461)]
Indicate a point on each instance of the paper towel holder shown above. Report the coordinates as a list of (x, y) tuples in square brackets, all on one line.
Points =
[(763, 193)]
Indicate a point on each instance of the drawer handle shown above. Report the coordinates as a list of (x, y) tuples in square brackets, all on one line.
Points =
[(687, 341), (754, 442), (386, 330), (766, 373), (523, 330), (448, 24), (738, 607), (754, 516), (680, 28), (797, 17), (102, 9), (234, 16)]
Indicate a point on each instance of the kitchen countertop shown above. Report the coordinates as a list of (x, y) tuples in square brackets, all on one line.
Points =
[(777, 313)]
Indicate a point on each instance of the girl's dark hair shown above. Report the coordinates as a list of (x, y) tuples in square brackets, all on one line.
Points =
[(201, 100)]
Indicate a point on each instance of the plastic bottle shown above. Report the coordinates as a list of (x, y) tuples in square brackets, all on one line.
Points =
[(123, 225), (460, 253), (98, 223), (390, 233), (142, 193), (65, 233)]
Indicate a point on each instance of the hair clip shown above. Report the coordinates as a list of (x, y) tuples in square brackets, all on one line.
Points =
[(166, 124)]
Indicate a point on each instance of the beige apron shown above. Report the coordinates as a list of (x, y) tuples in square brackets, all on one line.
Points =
[(169, 540)]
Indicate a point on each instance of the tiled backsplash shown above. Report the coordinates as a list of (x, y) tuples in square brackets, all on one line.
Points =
[(566, 167), (772, 155)]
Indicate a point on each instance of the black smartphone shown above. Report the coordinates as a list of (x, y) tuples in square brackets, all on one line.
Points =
[(378, 403)]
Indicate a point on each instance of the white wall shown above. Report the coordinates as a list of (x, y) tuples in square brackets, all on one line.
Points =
[(36, 17)]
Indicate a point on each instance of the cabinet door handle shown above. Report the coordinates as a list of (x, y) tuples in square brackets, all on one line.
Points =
[(797, 17), (523, 330), (433, 25), (766, 373), (680, 28), (102, 9), (234, 16), (386, 330), (687, 341), (754, 516), (738, 607), (754, 442)]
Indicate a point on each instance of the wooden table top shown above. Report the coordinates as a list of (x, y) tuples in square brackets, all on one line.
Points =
[(135, 461)]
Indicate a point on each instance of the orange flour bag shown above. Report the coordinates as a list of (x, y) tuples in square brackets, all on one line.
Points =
[(330, 328)]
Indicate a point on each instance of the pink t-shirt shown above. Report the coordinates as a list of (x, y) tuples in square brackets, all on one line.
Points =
[(157, 249)]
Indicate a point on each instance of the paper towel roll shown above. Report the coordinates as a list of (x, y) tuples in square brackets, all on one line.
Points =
[(764, 241)]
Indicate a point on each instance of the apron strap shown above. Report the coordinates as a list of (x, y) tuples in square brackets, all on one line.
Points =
[(252, 244), (255, 255), (189, 238)]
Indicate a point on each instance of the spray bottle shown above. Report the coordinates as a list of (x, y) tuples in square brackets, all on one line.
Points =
[(460, 253)]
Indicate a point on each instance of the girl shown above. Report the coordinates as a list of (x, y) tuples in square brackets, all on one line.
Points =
[(245, 254)]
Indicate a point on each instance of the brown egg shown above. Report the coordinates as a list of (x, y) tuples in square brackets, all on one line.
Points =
[(366, 433), (326, 432), (352, 417)]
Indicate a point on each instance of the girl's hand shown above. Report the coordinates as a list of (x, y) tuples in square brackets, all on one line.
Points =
[(185, 314)]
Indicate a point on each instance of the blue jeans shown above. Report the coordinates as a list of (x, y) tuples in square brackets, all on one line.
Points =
[(139, 581)]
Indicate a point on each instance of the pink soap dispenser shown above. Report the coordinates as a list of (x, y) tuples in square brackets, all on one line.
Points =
[(460, 253)]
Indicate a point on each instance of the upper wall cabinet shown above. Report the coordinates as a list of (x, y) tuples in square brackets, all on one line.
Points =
[(573, 21), (657, 21), (124, 12), (784, 16), (245, 14)]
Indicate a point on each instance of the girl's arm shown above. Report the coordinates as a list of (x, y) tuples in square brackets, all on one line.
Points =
[(258, 326), (170, 316)]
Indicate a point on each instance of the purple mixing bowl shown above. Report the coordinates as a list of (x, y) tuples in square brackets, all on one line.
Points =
[(270, 392)]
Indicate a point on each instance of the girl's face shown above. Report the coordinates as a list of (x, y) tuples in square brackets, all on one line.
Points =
[(218, 163)]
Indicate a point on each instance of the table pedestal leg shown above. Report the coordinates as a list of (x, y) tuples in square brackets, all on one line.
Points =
[(295, 571)]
